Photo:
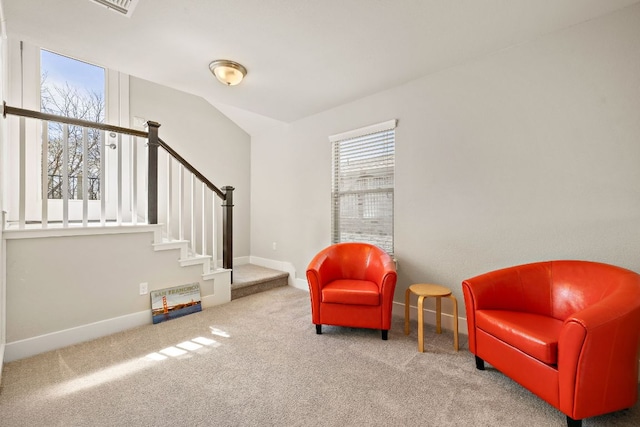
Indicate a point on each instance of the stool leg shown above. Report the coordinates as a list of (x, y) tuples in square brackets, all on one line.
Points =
[(455, 322), (420, 324), (438, 315), (407, 297)]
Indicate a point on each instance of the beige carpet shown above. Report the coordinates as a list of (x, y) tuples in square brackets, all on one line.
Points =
[(257, 361)]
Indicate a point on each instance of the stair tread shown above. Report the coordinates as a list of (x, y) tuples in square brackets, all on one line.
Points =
[(250, 274), (250, 279), (193, 256)]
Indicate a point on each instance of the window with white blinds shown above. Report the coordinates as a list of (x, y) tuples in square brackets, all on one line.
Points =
[(362, 185)]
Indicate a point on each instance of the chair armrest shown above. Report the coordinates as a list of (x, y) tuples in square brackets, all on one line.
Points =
[(318, 273), (387, 291), (316, 280), (598, 356)]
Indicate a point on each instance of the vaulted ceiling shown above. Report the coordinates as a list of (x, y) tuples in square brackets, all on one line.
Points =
[(302, 56)]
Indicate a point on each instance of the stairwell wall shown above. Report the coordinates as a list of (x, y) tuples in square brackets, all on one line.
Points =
[(67, 289), (207, 139)]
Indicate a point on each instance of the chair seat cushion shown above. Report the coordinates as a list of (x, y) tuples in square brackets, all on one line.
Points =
[(361, 292), (533, 334)]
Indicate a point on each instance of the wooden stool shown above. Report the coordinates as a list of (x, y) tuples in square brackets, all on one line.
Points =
[(423, 291)]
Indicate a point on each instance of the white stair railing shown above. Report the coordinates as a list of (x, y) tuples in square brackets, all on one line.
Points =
[(187, 203), (190, 215)]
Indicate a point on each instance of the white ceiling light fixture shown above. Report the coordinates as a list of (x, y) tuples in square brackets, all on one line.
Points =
[(228, 72), (125, 7)]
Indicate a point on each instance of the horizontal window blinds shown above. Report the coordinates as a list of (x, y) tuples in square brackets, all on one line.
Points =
[(362, 185)]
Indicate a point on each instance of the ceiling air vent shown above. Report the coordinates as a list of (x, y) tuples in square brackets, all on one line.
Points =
[(123, 6)]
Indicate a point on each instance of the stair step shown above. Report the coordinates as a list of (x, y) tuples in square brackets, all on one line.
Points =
[(250, 279), (194, 260)]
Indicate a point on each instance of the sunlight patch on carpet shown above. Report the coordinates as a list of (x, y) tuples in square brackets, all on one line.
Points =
[(173, 351), (219, 332), (203, 341), (112, 373), (185, 347), (189, 346), (121, 370)]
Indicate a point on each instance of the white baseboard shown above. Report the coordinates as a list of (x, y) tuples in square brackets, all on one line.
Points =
[(35, 345), (59, 339), (241, 260), (277, 265), (1, 360), (301, 284), (55, 340)]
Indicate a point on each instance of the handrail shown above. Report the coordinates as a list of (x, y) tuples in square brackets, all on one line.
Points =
[(110, 128), (191, 169), (69, 120)]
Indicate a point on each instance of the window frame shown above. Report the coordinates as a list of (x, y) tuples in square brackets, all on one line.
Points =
[(73, 179), (373, 148), (24, 73)]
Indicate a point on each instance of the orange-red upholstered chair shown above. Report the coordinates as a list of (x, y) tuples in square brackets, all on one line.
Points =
[(352, 284), (568, 331)]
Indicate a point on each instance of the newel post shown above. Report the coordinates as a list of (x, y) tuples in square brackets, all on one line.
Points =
[(227, 228), (152, 173)]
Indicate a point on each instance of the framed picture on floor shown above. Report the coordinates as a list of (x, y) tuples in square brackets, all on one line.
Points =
[(177, 301)]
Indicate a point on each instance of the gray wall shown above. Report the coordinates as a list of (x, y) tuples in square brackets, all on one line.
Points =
[(58, 283), (527, 154)]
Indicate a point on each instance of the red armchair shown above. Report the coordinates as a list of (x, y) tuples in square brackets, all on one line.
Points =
[(352, 284), (568, 331)]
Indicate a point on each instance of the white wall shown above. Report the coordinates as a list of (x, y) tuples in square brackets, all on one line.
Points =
[(3, 133), (204, 137), (63, 290), (524, 155)]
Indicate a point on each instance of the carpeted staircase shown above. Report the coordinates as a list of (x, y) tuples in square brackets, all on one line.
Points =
[(250, 279)]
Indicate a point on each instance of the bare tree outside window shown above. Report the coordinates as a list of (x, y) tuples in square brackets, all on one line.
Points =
[(68, 88)]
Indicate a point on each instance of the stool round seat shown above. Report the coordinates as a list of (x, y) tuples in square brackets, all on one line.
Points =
[(429, 290)]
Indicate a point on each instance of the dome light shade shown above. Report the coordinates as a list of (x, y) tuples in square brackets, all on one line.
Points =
[(228, 72)]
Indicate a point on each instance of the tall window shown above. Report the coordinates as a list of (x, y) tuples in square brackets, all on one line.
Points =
[(75, 89), (362, 185)]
